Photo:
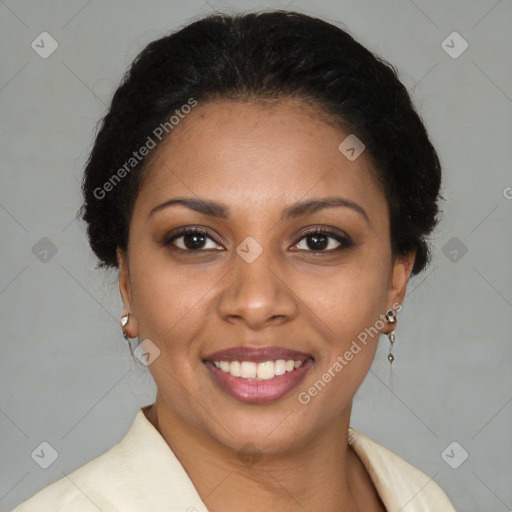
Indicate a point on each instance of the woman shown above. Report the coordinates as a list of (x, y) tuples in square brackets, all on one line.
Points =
[(265, 188)]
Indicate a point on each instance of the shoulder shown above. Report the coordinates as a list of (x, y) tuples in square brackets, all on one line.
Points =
[(139, 473), (400, 485), (92, 487)]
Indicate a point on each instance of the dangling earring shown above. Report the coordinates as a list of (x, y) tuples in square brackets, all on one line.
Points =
[(391, 319), (124, 321)]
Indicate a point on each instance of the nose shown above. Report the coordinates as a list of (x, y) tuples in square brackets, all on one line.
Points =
[(257, 294)]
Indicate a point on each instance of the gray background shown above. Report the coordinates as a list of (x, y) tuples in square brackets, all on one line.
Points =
[(67, 376)]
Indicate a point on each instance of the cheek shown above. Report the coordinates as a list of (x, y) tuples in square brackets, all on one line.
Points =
[(346, 301), (349, 308), (171, 303)]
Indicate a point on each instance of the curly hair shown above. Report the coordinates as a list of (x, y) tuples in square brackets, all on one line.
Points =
[(270, 54)]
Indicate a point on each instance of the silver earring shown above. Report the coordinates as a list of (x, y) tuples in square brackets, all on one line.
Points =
[(124, 321), (391, 319), (391, 337)]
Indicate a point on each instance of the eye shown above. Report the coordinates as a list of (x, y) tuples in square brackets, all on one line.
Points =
[(191, 240), (197, 240), (323, 240)]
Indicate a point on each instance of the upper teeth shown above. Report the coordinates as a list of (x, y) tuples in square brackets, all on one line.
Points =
[(258, 371)]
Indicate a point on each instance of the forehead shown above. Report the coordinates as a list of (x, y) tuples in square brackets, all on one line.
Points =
[(259, 154)]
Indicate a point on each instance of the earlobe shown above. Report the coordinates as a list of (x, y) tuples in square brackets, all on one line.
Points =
[(128, 319), (402, 269)]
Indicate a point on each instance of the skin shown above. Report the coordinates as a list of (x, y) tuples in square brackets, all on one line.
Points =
[(256, 159)]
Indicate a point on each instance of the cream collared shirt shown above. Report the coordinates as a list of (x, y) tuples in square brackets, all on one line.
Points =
[(142, 474)]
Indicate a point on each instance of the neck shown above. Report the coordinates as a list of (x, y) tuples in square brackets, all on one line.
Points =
[(316, 477)]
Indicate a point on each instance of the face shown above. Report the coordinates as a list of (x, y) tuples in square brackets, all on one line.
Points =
[(291, 261)]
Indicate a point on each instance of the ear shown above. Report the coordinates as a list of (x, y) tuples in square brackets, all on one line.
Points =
[(125, 289), (402, 268)]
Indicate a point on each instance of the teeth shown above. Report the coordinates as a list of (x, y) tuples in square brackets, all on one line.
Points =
[(235, 368), (248, 370), (280, 367), (265, 370), (258, 371)]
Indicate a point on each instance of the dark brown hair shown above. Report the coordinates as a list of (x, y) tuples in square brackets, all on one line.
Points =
[(271, 54)]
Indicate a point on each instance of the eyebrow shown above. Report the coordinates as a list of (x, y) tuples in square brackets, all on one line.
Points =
[(293, 211)]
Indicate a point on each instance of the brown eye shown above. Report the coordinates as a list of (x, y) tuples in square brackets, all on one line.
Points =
[(191, 240), (321, 240)]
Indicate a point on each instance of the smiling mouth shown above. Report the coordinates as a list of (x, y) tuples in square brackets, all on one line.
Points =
[(259, 371), (258, 375)]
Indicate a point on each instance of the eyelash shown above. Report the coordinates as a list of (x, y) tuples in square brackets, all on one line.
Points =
[(344, 241)]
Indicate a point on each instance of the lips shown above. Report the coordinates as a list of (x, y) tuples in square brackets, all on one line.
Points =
[(257, 354), (230, 370)]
